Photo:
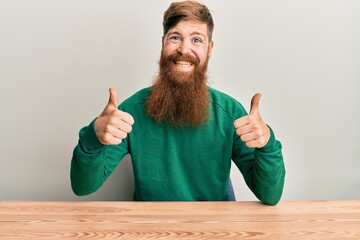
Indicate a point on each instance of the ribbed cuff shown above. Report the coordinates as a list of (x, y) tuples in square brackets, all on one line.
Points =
[(271, 144), (89, 139)]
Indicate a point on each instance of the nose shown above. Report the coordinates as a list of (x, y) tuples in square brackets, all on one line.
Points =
[(184, 48)]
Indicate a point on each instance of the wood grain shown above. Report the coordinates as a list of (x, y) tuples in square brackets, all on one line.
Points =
[(180, 220)]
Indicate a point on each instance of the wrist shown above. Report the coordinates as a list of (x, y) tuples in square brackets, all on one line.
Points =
[(89, 138), (269, 145)]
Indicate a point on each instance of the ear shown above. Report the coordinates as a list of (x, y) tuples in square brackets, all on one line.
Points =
[(211, 45)]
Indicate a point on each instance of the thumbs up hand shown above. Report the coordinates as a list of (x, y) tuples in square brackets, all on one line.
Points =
[(251, 129), (113, 125)]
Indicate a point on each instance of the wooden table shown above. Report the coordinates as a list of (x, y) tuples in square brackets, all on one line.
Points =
[(180, 220)]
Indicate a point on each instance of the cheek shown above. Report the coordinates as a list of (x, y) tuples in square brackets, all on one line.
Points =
[(202, 55), (169, 48), (164, 51)]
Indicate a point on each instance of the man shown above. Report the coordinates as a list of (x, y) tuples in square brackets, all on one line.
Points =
[(181, 134)]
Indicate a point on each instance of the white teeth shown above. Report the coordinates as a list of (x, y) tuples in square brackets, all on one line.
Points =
[(183, 63)]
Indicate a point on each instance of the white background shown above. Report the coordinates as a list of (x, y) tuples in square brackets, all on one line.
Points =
[(58, 59)]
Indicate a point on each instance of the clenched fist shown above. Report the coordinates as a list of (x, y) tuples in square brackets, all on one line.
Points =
[(251, 129), (113, 125)]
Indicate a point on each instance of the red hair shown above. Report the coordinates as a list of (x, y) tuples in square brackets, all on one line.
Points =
[(187, 11)]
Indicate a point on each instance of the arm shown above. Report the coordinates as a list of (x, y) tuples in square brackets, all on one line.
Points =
[(92, 162), (258, 155), (263, 168), (101, 147)]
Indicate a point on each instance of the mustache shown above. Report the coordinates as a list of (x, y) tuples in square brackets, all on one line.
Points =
[(185, 57)]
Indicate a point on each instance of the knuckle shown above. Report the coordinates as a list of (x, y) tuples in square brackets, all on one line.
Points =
[(129, 129), (126, 128), (260, 132), (236, 124), (117, 141), (107, 138), (128, 118), (123, 135), (262, 141), (113, 119), (102, 140), (107, 128)]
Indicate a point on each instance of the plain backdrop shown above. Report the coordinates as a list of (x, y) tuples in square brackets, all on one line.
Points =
[(58, 59)]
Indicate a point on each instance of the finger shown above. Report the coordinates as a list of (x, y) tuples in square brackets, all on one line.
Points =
[(241, 122), (243, 130), (125, 127), (119, 134), (114, 141), (256, 142), (254, 108), (113, 134), (113, 98), (116, 118), (248, 137), (126, 117), (109, 139), (116, 121), (252, 144)]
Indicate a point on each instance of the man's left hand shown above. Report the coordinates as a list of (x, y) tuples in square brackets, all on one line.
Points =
[(251, 129)]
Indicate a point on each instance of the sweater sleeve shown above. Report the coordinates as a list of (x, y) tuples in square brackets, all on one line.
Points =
[(263, 168), (92, 162)]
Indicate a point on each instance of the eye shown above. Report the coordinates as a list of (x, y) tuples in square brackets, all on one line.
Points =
[(175, 38), (197, 40)]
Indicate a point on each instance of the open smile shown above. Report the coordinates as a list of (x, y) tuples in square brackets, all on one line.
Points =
[(184, 65)]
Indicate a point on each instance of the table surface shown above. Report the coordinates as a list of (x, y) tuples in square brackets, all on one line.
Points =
[(180, 220)]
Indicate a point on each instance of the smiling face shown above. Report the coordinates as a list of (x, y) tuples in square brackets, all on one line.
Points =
[(187, 46), (180, 93)]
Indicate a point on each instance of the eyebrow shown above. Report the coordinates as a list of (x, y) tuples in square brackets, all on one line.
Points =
[(192, 34), (198, 33)]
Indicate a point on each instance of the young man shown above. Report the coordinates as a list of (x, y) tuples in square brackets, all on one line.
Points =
[(181, 134)]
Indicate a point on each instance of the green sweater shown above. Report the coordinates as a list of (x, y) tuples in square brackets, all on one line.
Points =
[(181, 164)]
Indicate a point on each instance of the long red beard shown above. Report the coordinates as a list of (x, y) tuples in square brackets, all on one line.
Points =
[(180, 98)]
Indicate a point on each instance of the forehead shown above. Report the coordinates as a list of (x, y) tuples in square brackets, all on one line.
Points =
[(190, 27)]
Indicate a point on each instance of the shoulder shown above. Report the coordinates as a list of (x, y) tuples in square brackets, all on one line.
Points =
[(137, 98), (223, 102)]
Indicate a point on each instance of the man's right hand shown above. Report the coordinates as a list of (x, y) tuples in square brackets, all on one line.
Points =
[(113, 125)]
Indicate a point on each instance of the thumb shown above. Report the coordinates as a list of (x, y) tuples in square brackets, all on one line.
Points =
[(113, 98), (254, 108)]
